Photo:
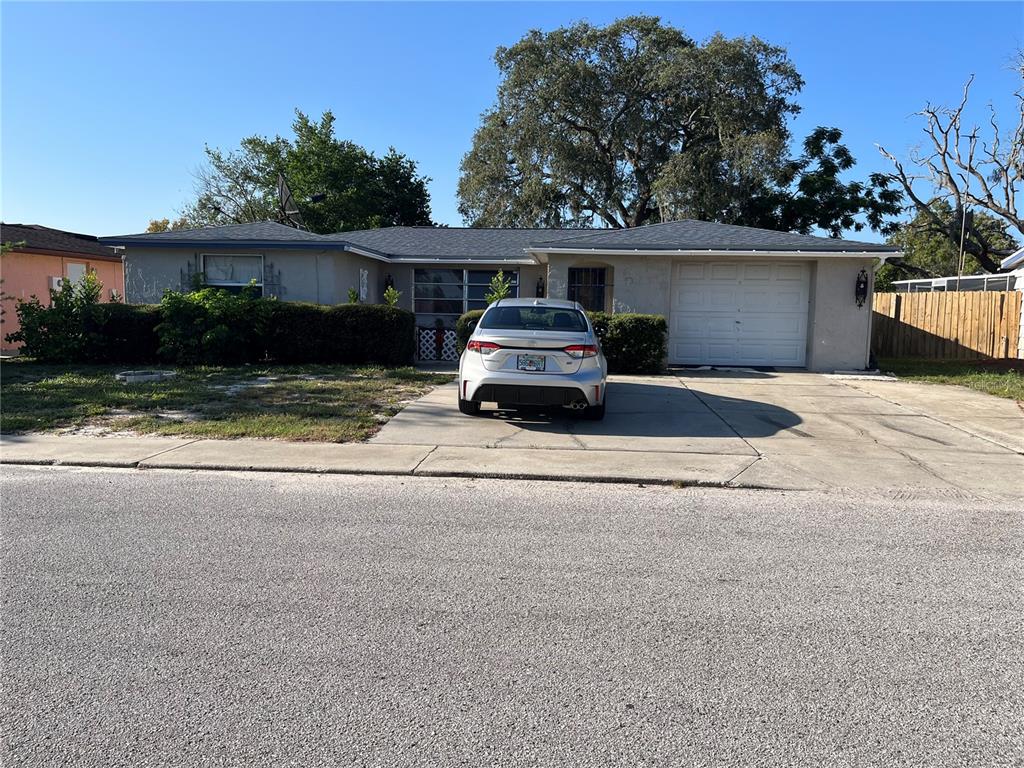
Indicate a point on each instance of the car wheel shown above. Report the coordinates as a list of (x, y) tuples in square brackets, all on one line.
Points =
[(595, 412), (469, 407)]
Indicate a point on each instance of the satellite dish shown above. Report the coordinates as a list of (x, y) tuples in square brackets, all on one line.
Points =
[(289, 211)]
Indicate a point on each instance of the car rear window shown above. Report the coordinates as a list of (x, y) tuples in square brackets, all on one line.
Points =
[(534, 319)]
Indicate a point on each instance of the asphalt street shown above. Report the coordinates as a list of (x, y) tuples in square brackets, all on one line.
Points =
[(164, 617)]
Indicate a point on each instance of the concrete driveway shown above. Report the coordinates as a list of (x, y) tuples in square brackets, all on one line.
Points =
[(777, 429)]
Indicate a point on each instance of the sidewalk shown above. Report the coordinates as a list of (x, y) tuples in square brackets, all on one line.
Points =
[(800, 468), (365, 458)]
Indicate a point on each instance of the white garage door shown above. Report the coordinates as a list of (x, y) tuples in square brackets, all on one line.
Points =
[(739, 313)]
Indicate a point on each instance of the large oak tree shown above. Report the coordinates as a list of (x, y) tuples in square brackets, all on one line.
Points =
[(632, 123)]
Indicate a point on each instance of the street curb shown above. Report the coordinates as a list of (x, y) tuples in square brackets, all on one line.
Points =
[(540, 477)]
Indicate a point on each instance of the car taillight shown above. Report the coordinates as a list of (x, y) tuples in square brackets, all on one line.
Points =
[(581, 350), (483, 347)]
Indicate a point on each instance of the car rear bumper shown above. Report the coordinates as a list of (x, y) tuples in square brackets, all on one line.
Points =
[(533, 389), (530, 395)]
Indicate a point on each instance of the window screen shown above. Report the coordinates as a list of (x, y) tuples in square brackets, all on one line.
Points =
[(232, 270), (587, 286)]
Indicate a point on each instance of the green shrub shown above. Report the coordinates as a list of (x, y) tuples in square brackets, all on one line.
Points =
[(124, 333), (465, 326), (600, 322), (347, 333), (213, 326), (632, 343), (58, 332)]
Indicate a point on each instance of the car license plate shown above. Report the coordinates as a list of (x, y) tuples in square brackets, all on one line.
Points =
[(531, 362)]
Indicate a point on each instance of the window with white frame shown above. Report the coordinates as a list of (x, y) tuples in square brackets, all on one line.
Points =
[(233, 271), (76, 272), (441, 295)]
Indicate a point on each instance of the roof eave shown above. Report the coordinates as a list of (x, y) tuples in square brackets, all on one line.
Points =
[(220, 244), (458, 260), (37, 251), (541, 249)]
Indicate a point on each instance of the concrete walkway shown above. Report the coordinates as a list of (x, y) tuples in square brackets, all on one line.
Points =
[(788, 431)]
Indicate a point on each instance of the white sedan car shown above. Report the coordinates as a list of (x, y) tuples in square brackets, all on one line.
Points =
[(533, 353)]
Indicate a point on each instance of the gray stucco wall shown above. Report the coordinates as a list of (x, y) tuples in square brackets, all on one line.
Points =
[(839, 331), (318, 276), (839, 335)]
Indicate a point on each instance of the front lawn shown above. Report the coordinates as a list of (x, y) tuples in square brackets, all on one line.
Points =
[(321, 402), (1003, 378)]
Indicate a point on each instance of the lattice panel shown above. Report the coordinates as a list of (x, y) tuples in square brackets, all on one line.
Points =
[(448, 347), (437, 344)]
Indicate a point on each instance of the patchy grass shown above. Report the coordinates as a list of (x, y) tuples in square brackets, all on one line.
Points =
[(326, 403), (1000, 378)]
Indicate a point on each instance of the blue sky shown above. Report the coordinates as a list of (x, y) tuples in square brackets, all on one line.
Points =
[(106, 107)]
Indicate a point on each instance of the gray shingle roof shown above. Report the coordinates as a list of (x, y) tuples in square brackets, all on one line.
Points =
[(46, 239), (453, 242), (693, 235), (256, 232), (468, 244)]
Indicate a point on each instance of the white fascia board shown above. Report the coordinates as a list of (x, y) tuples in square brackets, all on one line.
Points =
[(884, 255), (462, 262), (1015, 258), (368, 254)]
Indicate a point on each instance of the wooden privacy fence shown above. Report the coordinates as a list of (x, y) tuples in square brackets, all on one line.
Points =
[(947, 326)]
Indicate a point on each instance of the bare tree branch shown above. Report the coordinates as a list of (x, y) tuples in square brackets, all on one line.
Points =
[(968, 172)]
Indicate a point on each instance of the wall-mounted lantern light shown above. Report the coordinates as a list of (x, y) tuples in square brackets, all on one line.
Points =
[(861, 290), (540, 287)]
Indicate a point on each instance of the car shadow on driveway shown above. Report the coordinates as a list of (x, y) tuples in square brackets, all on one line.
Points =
[(642, 409), (644, 413)]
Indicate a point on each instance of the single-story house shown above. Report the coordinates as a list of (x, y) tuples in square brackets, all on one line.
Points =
[(732, 295), (41, 257)]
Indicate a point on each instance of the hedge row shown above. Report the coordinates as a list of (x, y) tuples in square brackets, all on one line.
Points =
[(631, 343), (215, 327), (346, 333), (79, 329)]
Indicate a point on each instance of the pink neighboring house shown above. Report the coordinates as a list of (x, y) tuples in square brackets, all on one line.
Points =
[(41, 258)]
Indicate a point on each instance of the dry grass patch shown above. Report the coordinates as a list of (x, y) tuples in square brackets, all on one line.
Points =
[(323, 402)]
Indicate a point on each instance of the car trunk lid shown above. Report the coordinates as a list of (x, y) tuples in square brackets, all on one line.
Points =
[(533, 351)]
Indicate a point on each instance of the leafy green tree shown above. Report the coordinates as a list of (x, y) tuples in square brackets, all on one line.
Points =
[(803, 194), (929, 251), (499, 288), (634, 123), (166, 225), (337, 185)]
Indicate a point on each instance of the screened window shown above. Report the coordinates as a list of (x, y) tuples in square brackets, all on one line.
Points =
[(444, 294), (588, 285), (232, 271)]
